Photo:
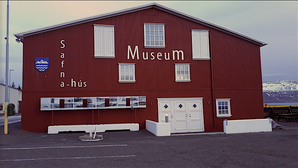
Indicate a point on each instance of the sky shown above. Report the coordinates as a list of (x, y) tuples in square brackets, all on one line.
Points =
[(272, 22)]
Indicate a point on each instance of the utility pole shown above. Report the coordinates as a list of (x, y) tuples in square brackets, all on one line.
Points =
[(6, 73)]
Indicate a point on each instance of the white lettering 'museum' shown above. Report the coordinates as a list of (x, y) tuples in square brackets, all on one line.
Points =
[(134, 54)]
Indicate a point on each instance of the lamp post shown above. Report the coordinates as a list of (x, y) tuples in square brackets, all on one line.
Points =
[(6, 72), (9, 84)]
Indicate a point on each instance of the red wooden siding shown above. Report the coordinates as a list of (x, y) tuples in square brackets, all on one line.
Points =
[(236, 72)]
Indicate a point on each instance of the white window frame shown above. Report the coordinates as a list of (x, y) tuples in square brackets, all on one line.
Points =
[(219, 104), (200, 44), (177, 68), (131, 72), (104, 41), (154, 36)]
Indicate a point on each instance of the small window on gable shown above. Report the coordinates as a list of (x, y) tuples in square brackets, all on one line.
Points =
[(200, 44), (127, 73), (154, 35), (223, 108), (182, 73), (104, 44)]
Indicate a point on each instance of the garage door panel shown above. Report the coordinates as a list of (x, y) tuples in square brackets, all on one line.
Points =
[(180, 106), (185, 114), (181, 126), (180, 115), (165, 106), (195, 125)]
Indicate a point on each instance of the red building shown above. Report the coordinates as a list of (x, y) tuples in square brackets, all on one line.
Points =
[(139, 64)]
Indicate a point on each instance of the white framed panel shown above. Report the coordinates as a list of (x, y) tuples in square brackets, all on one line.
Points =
[(104, 42), (200, 44)]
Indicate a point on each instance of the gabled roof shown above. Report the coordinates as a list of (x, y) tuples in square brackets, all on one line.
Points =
[(21, 35)]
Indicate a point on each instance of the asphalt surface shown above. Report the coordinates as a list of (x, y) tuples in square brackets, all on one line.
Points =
[(278, 148)]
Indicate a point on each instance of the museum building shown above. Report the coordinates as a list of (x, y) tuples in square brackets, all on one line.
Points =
[(140, 64)]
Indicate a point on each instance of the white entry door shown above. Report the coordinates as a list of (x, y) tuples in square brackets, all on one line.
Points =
[(185, 114)]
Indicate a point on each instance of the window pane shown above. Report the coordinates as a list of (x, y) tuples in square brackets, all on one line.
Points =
[(161, 27)]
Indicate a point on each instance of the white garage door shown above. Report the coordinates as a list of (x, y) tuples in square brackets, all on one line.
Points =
[(185, 114)]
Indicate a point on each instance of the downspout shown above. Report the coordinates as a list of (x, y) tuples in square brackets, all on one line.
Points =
[(212, 84)]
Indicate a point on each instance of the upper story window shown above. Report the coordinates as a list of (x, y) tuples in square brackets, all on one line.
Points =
[(223, 108), (104, 43), (154, 35), (182, 73), (127, 73), (200, 44)]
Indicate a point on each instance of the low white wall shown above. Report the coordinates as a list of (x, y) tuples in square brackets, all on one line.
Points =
[(87, 128), (245, 126), (15, 97), (158, 129)]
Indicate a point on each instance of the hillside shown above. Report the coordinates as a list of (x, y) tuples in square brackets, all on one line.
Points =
[(282, 91)]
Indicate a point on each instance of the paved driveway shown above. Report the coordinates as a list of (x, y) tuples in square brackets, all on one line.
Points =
[(143, 149)]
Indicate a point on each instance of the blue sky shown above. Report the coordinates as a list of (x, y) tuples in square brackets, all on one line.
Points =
[(272, 22)]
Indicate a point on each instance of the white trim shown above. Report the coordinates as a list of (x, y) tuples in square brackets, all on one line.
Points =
[(127, 81), (182, 80), (201, 59), (98, 56), (134, 73), (154, 46), (229, 108), (104, 25), (164, 39)]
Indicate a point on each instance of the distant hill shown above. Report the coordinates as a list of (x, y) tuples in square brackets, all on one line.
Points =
[(281, 91)]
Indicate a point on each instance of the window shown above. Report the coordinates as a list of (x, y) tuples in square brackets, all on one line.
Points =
[(154, 35), (182, 72), (127, 73), (223, 108), (104, 46), (200, 45)]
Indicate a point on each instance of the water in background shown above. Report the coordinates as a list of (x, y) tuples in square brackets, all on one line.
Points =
[(279, 104)]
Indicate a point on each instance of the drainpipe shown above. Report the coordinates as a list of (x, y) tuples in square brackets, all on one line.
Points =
[(212, 85)]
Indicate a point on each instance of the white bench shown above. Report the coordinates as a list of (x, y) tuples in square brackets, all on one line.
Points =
[(97, 128), (245, 126)]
